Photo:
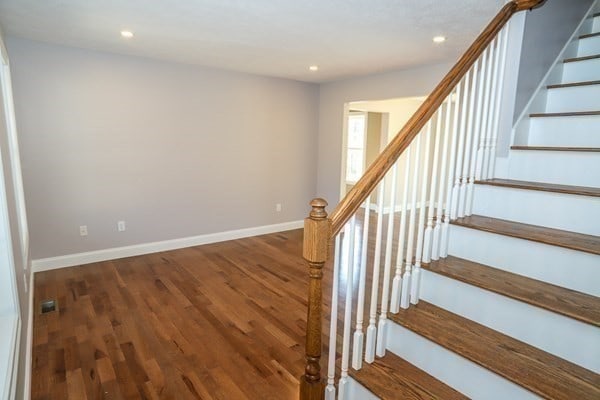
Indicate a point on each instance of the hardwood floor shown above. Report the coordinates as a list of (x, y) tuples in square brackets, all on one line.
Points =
[(221, 321)]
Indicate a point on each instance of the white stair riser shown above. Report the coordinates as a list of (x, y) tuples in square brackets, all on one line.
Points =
[(463, 375), (596, 24), (568, 268), (356, 391), (576, 98), (581, 71), (565, 131), (562, 336), (588, 46), (562, 167), (554, 210)]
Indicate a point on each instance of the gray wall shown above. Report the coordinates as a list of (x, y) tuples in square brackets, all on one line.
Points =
[(547, 30), (173, 150), (18, 248), (404, 83)]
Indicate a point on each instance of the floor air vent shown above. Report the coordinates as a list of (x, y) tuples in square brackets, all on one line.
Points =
[(48, 306)]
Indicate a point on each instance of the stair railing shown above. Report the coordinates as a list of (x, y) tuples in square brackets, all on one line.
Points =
[(431, 165)]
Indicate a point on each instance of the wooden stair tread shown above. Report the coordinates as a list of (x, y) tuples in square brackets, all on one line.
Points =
[(589, 35), (535, 370), (555, 237), (556, 148), (573, 84), (392, 377), (585, 58), (541, 186), (573, 304), (565, 114)]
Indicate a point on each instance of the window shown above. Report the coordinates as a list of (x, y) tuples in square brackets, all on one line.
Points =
[(355, 158)]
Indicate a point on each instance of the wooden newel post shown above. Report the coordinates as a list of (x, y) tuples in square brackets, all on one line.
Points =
[(317, 232)]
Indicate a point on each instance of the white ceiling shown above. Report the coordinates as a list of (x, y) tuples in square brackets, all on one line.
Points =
[(268, 37)]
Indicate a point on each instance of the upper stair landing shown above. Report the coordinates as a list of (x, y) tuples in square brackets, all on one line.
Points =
[(565, 110)]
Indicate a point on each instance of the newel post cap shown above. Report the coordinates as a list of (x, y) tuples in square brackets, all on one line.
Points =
[(318, 208)]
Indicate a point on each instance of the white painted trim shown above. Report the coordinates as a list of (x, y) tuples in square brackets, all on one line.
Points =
[(29, 350), (8, 381), (16, 360), (70, 260), (358, 391)]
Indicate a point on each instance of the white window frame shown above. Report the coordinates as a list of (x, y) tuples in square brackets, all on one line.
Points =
[(350, 115)]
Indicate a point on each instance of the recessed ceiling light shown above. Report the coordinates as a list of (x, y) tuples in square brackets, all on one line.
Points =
[(127, 34), (314, 67), (439, 39)]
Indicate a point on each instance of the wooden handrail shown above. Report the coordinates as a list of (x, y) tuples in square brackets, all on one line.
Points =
[(386, 159), (528, 4)]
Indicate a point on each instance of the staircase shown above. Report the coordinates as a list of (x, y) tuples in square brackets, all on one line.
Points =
[(535, 277), (504, 303)]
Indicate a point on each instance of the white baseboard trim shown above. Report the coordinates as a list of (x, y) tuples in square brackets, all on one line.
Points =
[(29, 350), (70, 260)]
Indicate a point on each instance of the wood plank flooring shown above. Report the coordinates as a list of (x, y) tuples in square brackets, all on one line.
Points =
[(222, 321)]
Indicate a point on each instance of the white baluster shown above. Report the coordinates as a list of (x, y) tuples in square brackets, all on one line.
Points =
[(432, 192), (397, 283), (451, 168), (407, 279), (349, 239), (461, 146), (357, 350), (437, 230), (416, 275), (476, 138), (385, 291), (487, 66), (330, 389), (500, 90), (468, 148), (372, 328), (492, 108)]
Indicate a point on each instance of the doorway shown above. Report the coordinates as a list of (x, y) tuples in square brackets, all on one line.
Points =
[(368, 127)]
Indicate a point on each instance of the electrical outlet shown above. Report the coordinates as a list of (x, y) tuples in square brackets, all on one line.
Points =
[(83, 230), (278, 207), (121, 226)]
